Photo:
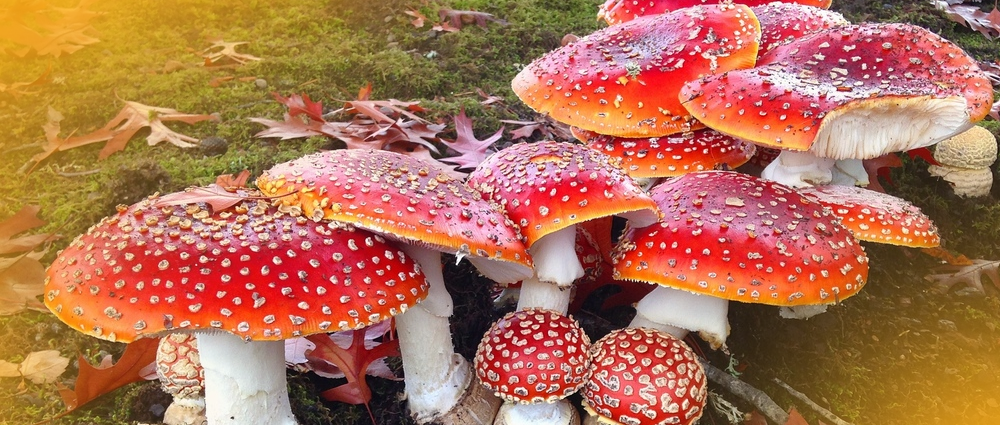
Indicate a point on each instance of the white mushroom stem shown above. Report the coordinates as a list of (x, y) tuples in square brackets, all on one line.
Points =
[(560, 412), (244, 381), (799, 169), (677, 312), (556, 267), (435, 376)]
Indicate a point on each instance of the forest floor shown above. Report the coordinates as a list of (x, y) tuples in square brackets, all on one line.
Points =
[(898, 353)]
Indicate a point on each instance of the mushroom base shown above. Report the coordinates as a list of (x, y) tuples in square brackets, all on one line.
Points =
[(667, 309), (185, 411), (244, 381), (560, 412), (435, 376)]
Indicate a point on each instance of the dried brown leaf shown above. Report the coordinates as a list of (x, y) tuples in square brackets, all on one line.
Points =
[(92, 382), (22, 281), (46, 29), (223, 52), (133, 117), (40, 367)]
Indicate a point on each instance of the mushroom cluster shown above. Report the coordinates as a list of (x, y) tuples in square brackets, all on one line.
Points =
[(678, 93)]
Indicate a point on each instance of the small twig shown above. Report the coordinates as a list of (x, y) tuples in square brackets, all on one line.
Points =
[(78, 173), (743, 390), (826, 414)]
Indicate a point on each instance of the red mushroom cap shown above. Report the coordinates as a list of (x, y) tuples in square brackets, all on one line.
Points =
[(856, 91), (743, 238), (618, 11), (400, 197), (251, 270), (533, 356), (623, 80), (644, 376), (544, 187), (672, 155), (877, 217), (784, 22)]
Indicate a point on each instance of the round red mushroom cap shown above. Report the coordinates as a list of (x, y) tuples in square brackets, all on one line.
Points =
[(400, 197), (644, 377), (672, 155), (783, 22), (877, 217), (533, 356), (618, 11), (623, 80), (252, 270), (743, 238), (855, 91), (546, 186)]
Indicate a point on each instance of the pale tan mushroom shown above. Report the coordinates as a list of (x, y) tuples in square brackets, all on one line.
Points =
[(965, 161)]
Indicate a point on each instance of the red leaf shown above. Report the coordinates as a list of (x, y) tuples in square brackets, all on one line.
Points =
[(418, 18), (94, 382), (471, 150), (795, 418), (365, 92), (755, 419), (353, 362), (301, 104), (230, 182), (880, 167), (459, 17), (988, 24), (924, 154)]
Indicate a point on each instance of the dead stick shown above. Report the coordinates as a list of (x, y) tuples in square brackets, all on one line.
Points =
[(826, 414), (743, 390)]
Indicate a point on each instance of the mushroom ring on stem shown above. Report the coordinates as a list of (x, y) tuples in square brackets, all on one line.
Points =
[(242, 279), (546, 189), (729, 236), (840, 95), (428, 212)]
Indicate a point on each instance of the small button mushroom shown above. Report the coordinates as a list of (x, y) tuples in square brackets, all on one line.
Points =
[(965, 161)]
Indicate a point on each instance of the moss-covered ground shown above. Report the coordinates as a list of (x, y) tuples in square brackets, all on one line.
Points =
[(896, 354)]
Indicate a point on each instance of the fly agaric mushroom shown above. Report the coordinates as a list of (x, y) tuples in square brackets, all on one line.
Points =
[(241, 279), (877, 217), (964, 161), (180, 373), (623, 80), (729, 236), (837, 96), (618, 11), (643, 376), (429, 211), (672, 155), (783, 22), (534, 359), (546, 188)]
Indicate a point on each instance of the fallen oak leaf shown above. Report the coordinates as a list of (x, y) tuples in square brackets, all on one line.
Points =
[(471, 151), (133, 117), (46, 29), (40, 367), (23, 220), (353, 362), (226, 50), (18, 89), (22, 281), (418, 18), (92, 382)]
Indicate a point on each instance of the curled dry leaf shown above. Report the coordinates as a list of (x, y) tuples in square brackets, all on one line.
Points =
[(471, 151), (22, 277), (970, 276), (40, 367), (223, 52), (117, 132)]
